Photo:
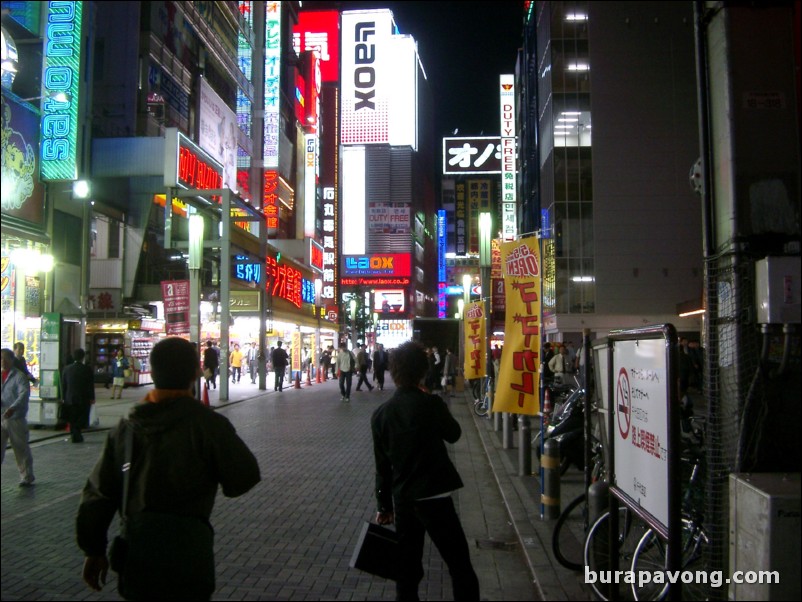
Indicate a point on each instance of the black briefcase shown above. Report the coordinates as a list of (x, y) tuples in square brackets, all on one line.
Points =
[(376, 551)]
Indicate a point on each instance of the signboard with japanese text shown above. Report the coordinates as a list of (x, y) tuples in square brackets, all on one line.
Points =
[(319, 31), (509, 225), (460, 221), (386, 264), (475, 340), (295, 351), (519, 375), (640, 421), (478, 155), (329, 259), (272, 99), (175, 294)]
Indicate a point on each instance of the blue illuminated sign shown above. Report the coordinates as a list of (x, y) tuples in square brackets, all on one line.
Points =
[(441, 245), (249, 272)]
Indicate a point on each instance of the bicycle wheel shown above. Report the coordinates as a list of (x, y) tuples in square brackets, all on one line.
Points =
[(650, 555), (569, 532), (480, 408), (597, 551)]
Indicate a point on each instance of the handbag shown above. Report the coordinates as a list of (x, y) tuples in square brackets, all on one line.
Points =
[(376, 551), (159, 554), (207, 373), (127, 373)]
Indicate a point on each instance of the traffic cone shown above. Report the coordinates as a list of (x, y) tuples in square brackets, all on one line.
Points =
[(309, 376), (205, 399), (547, 409), (298, 379), (319, 377)]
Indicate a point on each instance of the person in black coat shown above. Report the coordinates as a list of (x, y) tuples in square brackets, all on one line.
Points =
[(78, 391), (211, 361), (415, 476)]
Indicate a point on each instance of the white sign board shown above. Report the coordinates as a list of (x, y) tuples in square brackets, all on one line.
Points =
[(640, 430)]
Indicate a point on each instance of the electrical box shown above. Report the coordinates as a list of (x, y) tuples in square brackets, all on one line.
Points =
[(764, 534), (777, 290)]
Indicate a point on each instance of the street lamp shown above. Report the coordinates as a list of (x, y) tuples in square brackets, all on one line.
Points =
[(196, 230), (353, 323)]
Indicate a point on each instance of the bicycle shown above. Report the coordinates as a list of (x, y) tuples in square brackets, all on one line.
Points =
[(482, 406), (651, 551), (567, 549)]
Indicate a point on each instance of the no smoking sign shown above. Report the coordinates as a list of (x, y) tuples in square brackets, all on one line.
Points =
[(623, 403)]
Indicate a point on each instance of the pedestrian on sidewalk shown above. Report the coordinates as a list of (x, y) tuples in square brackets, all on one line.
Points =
[(182, 451), (21, 363), (235, 360), (346, 365), (78, 392), (362, 366), (415, 476), (280, 359), (253, 362), (119, 366), (14, 426), (211, 361), (380, 362)]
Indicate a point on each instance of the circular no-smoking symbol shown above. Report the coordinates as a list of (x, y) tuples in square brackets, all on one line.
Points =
[(623, 403)]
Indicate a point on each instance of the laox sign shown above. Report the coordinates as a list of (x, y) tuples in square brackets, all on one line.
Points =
[(369, 263), (364, 77)]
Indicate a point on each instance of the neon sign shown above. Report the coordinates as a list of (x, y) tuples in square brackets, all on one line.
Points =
[(196, 170), (284, 282), (398, 264), (61, 74), (272, 82)]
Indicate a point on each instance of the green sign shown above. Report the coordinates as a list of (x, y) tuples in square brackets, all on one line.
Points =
[(51, 327), (61, 80)]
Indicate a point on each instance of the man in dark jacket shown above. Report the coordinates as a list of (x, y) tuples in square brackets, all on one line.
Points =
[(279, 359), (415, 476), (211, 361), (78, 392), (182, 451)]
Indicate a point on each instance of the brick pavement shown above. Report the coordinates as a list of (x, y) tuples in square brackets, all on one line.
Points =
[(291, 537)]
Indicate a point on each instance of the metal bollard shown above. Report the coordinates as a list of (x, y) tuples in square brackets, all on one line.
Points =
[(597, 500), (506, 434), (550, 496), (524, 446)]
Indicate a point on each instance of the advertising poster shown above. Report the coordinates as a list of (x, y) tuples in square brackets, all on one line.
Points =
[(175, 294), (295, 352), (475, 341), (518, 389), (217, 133)]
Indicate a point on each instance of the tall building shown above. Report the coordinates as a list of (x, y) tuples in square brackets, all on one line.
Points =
[(609, 135)]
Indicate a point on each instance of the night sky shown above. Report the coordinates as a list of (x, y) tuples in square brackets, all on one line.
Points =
[(464, 47)]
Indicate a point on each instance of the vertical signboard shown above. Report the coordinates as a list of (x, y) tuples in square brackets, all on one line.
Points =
[(329, 291), (519, 374), (61, 65), (475, 340), (318, 31), (460, 215), (272, 82), (366, 76), (175, 294), (311, 176), (509, 226)]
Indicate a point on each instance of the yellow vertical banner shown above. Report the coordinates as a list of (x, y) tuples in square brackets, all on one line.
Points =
[(295, 352), (475, 341), (518, 388)]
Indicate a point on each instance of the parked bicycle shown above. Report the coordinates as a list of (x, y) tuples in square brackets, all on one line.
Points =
[(651, 551), (482, 405)]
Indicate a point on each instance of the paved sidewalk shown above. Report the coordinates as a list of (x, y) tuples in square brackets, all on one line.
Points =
[(291, 537)]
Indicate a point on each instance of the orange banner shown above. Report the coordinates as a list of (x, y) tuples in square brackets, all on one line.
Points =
[(475, 341), (518, 388)]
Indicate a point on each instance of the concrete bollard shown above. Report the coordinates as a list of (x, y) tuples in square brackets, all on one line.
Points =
[(506, 433), (550, 496)]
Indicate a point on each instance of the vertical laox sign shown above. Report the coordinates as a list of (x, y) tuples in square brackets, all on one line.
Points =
[(365, 81), (509, 227), (61, 75), (365, 73)]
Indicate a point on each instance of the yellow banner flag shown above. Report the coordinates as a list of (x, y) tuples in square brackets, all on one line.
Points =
[(475, 341), (518, 388), (295, 352)]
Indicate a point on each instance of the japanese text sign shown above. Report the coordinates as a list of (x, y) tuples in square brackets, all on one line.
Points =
[(475, 341), (518, 389)]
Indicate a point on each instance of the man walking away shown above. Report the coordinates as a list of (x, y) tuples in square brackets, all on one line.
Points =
[(362, 366), (379, 365), (182, 452), (346, 364), (280, 359), (211, 361), (78, 392), (415, 476), (253, 362), (16, 393)]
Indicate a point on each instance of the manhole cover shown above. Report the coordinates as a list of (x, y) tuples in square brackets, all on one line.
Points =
[(492, 544)]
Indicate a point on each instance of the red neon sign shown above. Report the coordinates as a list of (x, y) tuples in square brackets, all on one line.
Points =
[(270, 198), (195, 173), (286, 282)]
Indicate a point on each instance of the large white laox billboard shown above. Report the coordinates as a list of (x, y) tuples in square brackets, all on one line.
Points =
[(378, 81)]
